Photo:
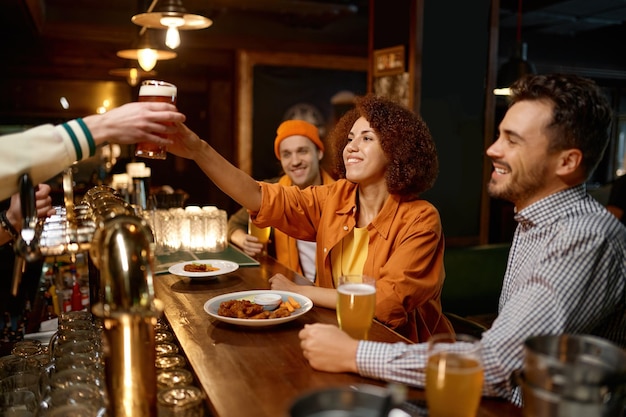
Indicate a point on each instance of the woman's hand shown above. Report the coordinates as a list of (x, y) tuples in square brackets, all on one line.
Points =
[(185, 143), (282, 283)]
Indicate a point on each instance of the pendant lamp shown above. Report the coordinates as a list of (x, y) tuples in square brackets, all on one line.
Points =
[(147, 51), (171, 15), (518, 64)]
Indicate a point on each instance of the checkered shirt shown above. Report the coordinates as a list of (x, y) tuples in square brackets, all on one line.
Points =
[(566, 273)]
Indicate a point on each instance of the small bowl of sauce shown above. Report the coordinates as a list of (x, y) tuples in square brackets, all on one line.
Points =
[(269, 301)]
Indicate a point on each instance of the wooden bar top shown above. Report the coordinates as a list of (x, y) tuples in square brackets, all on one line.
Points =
[(259, 371)]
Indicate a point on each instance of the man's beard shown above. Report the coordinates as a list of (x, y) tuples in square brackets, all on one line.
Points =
[(516, 189)]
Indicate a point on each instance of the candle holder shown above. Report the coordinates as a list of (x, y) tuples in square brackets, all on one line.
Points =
[(194, 228)]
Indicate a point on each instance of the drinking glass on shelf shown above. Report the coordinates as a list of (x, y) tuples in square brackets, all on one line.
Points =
[(173, 377), (22, 403), (262, 233), (77, 393), (180, 401), (23, 381), (161, 91), (356, 302), (454, 375)]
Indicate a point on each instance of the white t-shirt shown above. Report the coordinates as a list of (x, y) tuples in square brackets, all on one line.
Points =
[(306, 251)]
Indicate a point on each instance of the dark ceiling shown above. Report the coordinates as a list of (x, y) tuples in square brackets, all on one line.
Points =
[(585, 36), (582, 36)]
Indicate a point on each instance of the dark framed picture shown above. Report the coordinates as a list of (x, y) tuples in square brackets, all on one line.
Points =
[(389, 61)]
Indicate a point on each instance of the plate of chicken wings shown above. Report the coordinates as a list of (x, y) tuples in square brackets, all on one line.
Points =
[(239, 308)]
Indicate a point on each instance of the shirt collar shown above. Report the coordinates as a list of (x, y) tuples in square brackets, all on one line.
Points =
[(382, 222), (550, 208)]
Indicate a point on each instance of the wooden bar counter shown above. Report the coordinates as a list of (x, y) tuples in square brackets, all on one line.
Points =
[(258, 371)]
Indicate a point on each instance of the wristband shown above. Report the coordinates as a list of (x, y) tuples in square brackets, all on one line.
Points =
[(6, 225)]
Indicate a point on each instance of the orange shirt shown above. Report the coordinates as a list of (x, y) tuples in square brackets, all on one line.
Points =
[(405, 251)]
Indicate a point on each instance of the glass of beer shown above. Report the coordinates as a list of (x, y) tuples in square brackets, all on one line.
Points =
[(261, 233), (356, 302), (153, 90), (454, 375)]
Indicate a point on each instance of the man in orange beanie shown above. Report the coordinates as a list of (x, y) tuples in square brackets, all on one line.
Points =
[(300, 150)]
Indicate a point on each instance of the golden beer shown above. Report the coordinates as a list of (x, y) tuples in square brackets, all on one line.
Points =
[(356, 303), (160, 91), (261, 233), (454, 378)]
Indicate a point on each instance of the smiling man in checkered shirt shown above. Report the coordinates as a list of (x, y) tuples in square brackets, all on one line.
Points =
[(566, 270)]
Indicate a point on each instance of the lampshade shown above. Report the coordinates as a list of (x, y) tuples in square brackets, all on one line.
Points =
[(171, 15), (147, 51), (133, 75)]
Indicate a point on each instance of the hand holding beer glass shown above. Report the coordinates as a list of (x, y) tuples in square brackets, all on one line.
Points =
[(356, 302), (161, 91), (261, 233), (454, 375)]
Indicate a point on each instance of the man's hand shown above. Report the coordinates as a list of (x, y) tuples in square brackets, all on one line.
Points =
[(136, 122), (248, 243), (328, 349)]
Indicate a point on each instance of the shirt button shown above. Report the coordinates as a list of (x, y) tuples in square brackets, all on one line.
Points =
[(345, 228)]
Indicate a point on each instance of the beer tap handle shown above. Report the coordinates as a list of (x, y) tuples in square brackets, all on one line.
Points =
[(26, 235), (27, 245), (27, 200)]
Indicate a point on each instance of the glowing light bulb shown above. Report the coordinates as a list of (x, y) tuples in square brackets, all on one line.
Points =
[(147, 58), (172, 38)]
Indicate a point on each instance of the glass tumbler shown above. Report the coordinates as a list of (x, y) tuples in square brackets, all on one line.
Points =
[(454, 375), (160, 91)]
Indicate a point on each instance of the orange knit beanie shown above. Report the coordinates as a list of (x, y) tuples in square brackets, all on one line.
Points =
[(293, 128)]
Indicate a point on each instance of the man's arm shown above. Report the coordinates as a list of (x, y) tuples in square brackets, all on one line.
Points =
[(44, 151)]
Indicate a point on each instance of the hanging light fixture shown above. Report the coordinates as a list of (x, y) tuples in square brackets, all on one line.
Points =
[(518, 64), (132, 74), (146, 51), (171, 15)]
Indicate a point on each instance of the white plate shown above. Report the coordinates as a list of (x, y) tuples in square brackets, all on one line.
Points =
[(224, 268), (212, 305)]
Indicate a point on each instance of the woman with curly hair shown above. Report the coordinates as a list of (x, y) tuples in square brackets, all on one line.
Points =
[(371, 221)]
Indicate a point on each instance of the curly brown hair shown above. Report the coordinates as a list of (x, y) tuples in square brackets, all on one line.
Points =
[(404, 138)]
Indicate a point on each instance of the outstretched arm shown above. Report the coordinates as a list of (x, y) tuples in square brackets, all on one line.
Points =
[(240, 186), (44, 151), (134, 122)]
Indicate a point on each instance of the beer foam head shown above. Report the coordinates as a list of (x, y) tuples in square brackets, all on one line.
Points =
[(357, 289), (158, 89)]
